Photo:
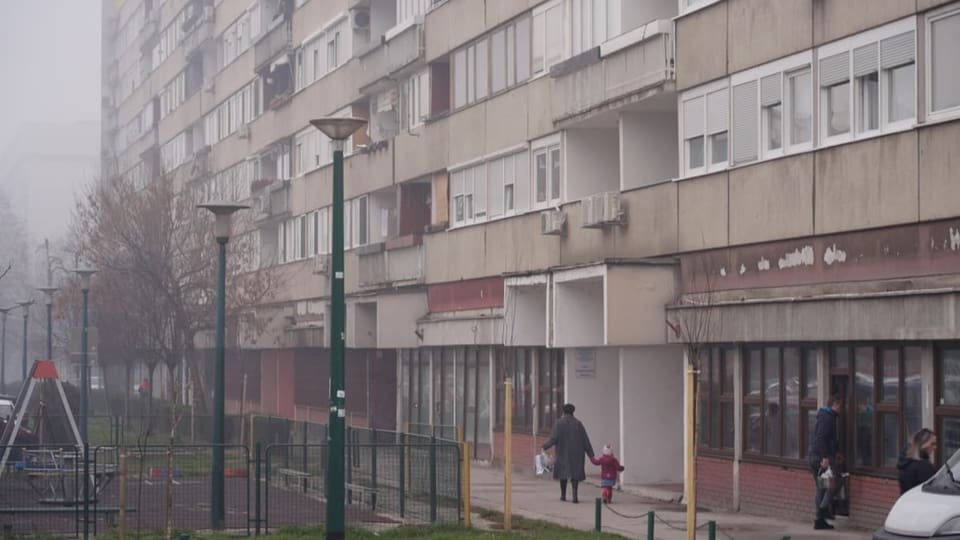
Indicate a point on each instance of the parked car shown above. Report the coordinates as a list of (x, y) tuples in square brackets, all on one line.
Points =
[(930, 510), (6, 406)]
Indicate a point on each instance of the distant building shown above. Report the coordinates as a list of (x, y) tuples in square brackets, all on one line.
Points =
[(42, 171)]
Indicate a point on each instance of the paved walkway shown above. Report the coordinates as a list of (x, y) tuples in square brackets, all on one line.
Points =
[(538, 498)]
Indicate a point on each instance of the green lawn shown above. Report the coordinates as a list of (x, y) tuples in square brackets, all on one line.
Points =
[(522, 528)]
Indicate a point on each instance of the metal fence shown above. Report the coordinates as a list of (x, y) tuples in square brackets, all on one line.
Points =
[(391, 478)]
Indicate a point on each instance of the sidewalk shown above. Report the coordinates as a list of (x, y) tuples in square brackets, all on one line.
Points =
[(538, 498)]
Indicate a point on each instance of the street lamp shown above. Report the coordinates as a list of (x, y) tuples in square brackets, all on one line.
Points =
[(3, 349), (338, 130), (26, 314), (84, 274), (49, 291), (221, 230)]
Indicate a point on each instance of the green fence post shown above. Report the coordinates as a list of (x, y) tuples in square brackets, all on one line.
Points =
[(373, 470), (650, 517), (433, 479), (712, 530), (403, 471), (597, 508), (303, 457), (256, 491)]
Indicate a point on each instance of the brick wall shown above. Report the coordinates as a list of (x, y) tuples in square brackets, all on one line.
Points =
[(870, 500), (787, 492), (777, 491), (525, 447), (715, 483)]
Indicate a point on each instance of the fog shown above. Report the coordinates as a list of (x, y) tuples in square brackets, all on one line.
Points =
[(49, 109)]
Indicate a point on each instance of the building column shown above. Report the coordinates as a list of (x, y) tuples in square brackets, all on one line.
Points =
[(928, 375), (737, 358)]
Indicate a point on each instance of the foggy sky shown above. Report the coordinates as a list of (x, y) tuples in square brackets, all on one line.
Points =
[(49, 62)]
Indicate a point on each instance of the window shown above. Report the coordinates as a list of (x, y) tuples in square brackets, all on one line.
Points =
[(333, 45), (516, 364), (868, 82), (947, 409), (360, 221), (408, 9), (227, 117), (177, 151), (772, 113), (546, 174), (547, 36), (780, 400), (323, 231), (716, 399), (943, 42), (705, 116), (322, 52), (591, 23), (414, 100), (235, 40), (801, 107), (173, 95), (882, 387), (550, 385), (468, 194)]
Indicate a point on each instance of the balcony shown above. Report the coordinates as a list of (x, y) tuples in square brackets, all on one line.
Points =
[(397, 262), (150, 33), (624, 70), (272, 202), (400, 51), (198, 37), (278, 40)]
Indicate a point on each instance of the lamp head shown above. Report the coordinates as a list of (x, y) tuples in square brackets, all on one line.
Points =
[(84, 274), (48, 291), (336, 128), (26, 306), (222, 212)]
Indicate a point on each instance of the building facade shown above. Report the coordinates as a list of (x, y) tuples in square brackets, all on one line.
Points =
[(553, 191)]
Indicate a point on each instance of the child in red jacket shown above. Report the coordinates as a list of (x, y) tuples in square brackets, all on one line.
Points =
[(609, 467)]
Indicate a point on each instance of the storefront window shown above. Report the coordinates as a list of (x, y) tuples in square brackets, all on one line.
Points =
[(516, 364), (780, 401), (550, 382), (885, 405), (948, 400), (716, 399)]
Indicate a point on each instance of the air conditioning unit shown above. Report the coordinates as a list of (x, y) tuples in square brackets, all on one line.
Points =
[(552, 221), (243, 131), (321, 264), (360, 18), (601, 209)]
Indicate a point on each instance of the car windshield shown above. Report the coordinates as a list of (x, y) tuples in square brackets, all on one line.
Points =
[(947, 479)]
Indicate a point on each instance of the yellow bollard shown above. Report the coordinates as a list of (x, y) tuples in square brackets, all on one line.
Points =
[(691, 446), (507, 454), (466, 485), (122, 518)]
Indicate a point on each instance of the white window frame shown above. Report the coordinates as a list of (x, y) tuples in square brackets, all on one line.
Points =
[(848, 45), (541, 11), (315, 50), (785, 68), (702, 92), (952, 10), (690, 6), (546, 145)]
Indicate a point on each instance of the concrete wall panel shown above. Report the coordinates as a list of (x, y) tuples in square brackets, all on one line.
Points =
[(506, 125), (539, 115), (651, 222), (772, 200), (701, 43), (313, 16), (867, 184), (834, 19), (651, 402), (453, 24), (939, 171), (581, 245), (597, 398), (636, 295), (761, 30), (468, 130), (648, 148), (703, 215)]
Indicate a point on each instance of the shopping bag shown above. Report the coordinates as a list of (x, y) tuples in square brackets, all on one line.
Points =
[(543, 463)]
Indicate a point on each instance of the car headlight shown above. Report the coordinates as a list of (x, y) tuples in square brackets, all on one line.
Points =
[(952, 526)]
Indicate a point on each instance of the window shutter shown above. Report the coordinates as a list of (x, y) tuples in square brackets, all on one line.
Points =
[(897, 50), (693, 118), (834, 69), (745, 112), (770, 89), (865, 60), (718, 111)]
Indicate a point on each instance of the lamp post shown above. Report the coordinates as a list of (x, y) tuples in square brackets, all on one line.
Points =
[(3, 349), (49, 291), (338, 130), (84, 274), (221, 230), (26, 315)]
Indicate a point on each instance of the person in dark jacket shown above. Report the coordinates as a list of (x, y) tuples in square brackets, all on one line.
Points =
[(915, 467), (821, 453), (570, 438)]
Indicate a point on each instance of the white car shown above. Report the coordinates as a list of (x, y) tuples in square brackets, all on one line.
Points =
[(930, 510)]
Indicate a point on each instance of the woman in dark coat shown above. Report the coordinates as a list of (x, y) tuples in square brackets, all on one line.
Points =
[(915, 467), (570, 438)]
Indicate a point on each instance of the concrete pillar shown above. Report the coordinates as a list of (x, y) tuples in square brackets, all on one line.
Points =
[(735, 356), (928, 377)]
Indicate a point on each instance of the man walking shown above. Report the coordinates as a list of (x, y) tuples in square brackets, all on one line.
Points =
[(570, 438), (822, 454)]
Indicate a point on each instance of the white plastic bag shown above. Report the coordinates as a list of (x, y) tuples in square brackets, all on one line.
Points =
[(543, 462)]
